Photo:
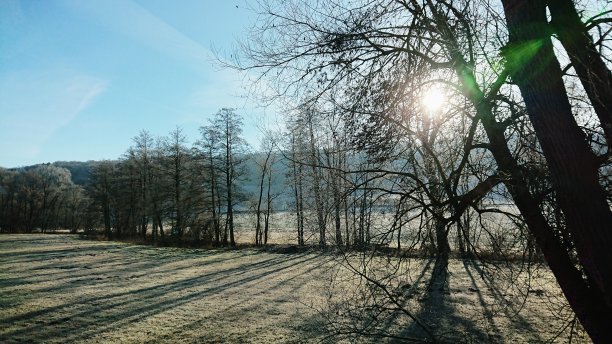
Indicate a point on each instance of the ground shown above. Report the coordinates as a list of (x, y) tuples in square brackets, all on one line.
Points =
[(63, 289)]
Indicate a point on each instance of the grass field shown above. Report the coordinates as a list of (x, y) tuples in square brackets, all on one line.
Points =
[(62, 289)]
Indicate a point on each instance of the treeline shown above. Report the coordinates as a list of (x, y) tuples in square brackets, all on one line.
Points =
[(331, 192), (43, 198), (332, 186), (159, 187)]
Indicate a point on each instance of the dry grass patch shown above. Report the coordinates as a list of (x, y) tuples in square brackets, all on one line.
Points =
[(60, 289)]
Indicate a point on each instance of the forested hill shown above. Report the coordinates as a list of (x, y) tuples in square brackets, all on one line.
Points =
[(80, 172)]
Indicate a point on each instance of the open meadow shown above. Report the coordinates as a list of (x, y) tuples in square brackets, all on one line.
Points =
[(63, 289)]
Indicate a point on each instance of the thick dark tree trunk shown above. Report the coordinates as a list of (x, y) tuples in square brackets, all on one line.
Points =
[(442, 246), (572, 165), (590, 67), (588, 304)]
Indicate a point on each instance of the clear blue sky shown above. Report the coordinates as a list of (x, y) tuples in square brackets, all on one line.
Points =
[(79, 79)]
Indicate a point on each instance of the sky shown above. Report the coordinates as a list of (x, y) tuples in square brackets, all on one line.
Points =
[(80, 79)]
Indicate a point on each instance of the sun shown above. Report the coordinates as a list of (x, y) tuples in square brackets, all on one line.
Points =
[(433, 100)]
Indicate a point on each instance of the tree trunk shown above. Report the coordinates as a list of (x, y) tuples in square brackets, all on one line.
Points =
[(591, 69), (264, 168), (268, 206), (317, 187), (228, 179), (337, 203), (213, 188), (572, 165), (442, 246), (161, 227)]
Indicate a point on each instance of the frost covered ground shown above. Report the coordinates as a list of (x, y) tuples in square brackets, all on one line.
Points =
[(62, 289), (57, 288)]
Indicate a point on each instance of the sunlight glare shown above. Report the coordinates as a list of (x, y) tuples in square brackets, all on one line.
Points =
[(433, 100)]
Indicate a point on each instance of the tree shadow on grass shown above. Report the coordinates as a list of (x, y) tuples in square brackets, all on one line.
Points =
[(510, 309), (119, 297), (439, 312), (442, 322)]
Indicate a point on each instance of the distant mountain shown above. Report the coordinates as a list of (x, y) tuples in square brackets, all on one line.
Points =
[(80, 171)]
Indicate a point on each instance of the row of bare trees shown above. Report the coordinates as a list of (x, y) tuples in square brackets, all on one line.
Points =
[(162, 187)]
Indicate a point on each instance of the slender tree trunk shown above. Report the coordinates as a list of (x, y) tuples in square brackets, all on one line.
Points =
[(269, 204), (268, 208), (337, 203), (161, 227), (297, 188), (301, 205), (213, 196), (369, 217), (229, 169), (261, 190), (347, 233), (177, 201), (317, 187)]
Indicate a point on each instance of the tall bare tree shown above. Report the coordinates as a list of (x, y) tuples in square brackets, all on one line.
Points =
[(229, 124), (342, 53)]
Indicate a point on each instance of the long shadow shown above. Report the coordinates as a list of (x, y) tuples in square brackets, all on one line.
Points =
[(299, 277), (74, 269), (509, 308), (487, 313), (250, 280), (439, 315), (150, 295), (158, 290), (17, 258), (136, 269), (148, 306), (408, 294)]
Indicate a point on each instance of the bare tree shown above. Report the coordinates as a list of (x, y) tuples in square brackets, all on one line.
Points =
[(229, 124), (209, 146), (143, 151), (343, 53), (101, 184), (177, 156)]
